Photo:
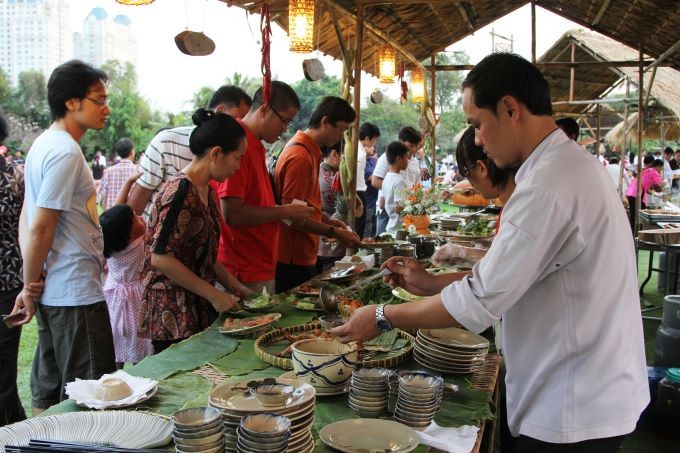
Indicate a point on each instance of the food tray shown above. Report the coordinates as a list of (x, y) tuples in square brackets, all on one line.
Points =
[(287, 364)]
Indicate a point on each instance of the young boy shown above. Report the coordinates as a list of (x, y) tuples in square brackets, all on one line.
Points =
[(394, 184)]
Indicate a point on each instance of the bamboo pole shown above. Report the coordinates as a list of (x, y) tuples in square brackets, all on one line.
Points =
[(625, 139), (533, 31), (351, 202), (597, 133), (641, 111), (433, 78), (572, 72)]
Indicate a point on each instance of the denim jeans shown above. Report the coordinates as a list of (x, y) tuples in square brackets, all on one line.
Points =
[(369, 224), (381, 224)]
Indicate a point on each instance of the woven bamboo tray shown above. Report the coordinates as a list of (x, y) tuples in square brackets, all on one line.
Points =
[(282, 362)]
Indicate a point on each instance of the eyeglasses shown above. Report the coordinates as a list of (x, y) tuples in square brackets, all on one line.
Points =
[(100, 102), (465, 171), (284, 121)]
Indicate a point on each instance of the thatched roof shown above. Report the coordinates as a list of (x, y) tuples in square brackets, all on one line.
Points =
[(590, 82), (419, 28), (651, 130)]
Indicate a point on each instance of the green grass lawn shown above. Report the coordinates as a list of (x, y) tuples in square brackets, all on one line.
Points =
[(654, 434)]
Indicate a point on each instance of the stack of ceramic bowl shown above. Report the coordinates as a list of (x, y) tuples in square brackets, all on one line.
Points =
[(198, 429), (420, 397), (369, 392), (449, 223), (263, 433), (408, 250), (451, 350), (291, 398), (385, 253)]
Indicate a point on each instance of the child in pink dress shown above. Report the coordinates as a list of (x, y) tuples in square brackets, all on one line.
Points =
[(124, 249)]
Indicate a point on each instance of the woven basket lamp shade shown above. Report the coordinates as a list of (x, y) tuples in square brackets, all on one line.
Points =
[(387, 64), (135, 2), (301, 25), (417, 85)]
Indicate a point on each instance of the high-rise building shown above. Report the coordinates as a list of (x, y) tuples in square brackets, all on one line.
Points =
[(104, 38), (35, 35)]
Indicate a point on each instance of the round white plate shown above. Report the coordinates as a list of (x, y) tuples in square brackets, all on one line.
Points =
[(235, 397), (250, 329), (455, 337), (369, 435)]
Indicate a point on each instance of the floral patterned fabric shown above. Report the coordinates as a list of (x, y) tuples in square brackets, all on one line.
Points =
[(11, 199), (181, 224)]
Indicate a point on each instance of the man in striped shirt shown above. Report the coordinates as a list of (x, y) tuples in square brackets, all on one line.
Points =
[(114, 177), (168, 152)]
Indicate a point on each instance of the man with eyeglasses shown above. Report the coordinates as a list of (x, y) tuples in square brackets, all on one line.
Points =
[(62, 242), (247, 199), (297, 178)]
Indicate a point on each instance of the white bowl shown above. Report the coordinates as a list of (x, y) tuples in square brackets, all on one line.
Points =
[(324, 363), (196, 417), (113, 389)]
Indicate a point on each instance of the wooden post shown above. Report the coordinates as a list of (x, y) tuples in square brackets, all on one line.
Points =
[(351, 203), (597, 133), (662, 139), (572, 72), (533, 31), (433, 79), (625, 139), (641, 112)]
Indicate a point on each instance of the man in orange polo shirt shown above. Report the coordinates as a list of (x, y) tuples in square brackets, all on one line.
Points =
[(297, 178), (247, 199)]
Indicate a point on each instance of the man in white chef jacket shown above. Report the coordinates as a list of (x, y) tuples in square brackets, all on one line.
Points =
[(574, 348)]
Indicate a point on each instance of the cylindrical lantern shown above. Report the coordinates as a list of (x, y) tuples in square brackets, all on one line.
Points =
[(301, 25), (417, 85), (387, 61), (135, 2)]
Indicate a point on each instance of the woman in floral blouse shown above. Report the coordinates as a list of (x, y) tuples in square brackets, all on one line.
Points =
[(180, 268)]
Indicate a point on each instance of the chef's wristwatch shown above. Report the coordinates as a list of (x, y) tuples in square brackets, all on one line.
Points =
[(381, 321)]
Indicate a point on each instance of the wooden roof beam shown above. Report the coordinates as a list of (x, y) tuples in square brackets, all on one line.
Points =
[(465, 17), (401, 24), (665, 55), (548, 64), (375, 30), (600, 13)]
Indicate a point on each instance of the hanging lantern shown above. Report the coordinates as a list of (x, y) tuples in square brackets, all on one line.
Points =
[(135, 2), (417, 85), (301, 25), (387, 63)]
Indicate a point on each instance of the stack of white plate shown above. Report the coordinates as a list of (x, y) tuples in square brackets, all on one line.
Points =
[(263, 433), (451, 350), (420, 397), (369, 392), (236, 400), (198, 429), (125, 429)]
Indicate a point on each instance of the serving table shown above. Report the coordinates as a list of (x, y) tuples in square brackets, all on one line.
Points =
[(188, 372)]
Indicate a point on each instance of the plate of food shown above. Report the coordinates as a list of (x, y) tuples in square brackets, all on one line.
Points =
[(246, 326), (307, 304), (260, 302), (384, 240), (306, 289)]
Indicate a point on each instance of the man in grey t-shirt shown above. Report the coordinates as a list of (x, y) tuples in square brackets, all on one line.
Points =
[(60, 236)]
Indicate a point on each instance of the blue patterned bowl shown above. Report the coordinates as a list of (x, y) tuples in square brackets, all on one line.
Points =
[(325, 364)]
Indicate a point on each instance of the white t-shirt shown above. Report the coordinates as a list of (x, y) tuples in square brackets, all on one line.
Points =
[(361, 166), (167, 154), (393, 190), (57, 177), (574, 347), (382, 167), (413, 171), (613, 171)]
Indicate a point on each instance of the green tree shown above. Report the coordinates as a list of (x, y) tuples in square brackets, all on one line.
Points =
[(448, 94), (130, 114), (390, 116), (5, 90), (247, 84), (29, 100), (310, 93), (202, 98)]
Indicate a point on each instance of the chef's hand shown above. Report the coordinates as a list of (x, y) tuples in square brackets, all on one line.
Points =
[(410, 275), (360, 326)]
